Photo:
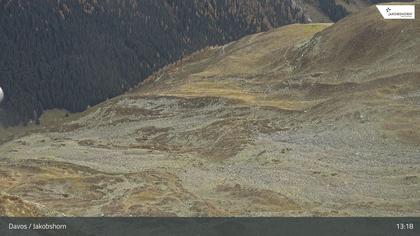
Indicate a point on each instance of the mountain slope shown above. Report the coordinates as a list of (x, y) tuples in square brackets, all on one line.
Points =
[(363, 43), (260, 127), (73, 54)]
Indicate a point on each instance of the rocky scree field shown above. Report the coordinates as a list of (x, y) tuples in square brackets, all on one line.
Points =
[(303, 120)]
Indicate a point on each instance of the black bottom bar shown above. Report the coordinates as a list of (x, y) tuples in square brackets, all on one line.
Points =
[(210, 226)]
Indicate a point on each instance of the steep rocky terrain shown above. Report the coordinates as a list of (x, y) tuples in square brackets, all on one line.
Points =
[(72, 54), (313, 119)]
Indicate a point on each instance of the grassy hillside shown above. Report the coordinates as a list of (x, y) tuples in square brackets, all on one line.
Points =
[(303, 120)]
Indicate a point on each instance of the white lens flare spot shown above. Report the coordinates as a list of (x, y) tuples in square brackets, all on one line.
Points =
[(1, 94)]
